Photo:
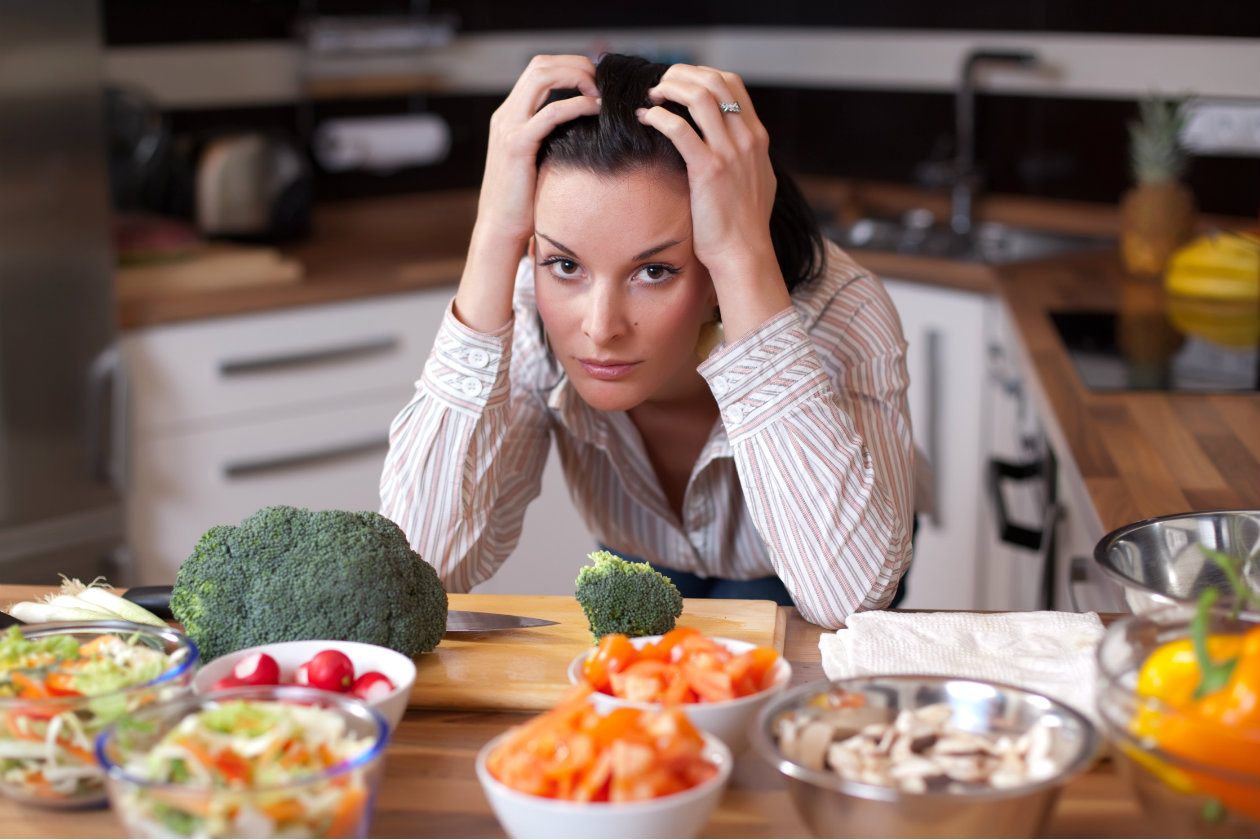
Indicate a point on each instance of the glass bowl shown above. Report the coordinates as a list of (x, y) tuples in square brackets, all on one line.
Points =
[(49, 729), (1211, 788), (258, 761)]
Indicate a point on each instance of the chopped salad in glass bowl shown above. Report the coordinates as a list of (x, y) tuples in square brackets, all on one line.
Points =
[(257, 761), (61, 684)]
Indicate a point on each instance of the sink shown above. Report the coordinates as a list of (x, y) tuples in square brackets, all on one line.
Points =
[(917, 234)]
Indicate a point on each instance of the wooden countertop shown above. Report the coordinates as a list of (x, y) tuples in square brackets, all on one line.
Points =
[(431, 790), (357, 249), (1139, 454)]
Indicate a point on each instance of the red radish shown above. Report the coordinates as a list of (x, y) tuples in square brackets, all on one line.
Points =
[(257, 669), (299, 675), (371, 686), (228, 681), (330, 670)]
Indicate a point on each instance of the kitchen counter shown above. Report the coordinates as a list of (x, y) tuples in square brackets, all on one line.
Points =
[(431, 790), (1139, 454)]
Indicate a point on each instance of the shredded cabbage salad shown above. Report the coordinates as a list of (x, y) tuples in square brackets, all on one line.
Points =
[(247, 768), (56, 693)]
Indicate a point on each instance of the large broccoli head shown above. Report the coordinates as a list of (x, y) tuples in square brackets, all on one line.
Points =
[(287, 573), (622, 597)]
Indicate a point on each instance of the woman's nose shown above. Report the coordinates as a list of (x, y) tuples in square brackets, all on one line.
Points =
[(605, 317)]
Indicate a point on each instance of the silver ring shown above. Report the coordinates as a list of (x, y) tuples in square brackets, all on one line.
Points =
[(730, 107)]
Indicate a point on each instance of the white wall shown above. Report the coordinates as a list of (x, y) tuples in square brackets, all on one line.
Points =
[(1074, 64)]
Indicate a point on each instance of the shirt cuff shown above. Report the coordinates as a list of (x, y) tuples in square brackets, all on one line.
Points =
[(761, 374), (466, 367)]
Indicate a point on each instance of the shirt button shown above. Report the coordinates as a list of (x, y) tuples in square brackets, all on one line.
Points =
[(478, 358), (735, 414), (720, 385), (471, 386)]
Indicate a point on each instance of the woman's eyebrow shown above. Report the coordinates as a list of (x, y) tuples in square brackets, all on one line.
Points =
[(642, 255), (556, 244)]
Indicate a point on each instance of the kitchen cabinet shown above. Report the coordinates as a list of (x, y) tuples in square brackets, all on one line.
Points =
[(945, 333), (228, 415), (1046, 515), (292, 407)]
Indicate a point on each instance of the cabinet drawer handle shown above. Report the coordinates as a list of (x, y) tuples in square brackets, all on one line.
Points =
[(323, 355), (282, 463), (1010, 532), (935, 365)]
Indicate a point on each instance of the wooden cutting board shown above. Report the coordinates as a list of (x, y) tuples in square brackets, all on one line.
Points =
[(528, 669)]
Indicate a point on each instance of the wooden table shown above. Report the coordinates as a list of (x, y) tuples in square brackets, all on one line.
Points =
[(430, 788)]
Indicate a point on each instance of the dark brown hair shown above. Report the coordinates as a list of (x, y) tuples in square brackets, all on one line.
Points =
[(614, 141)]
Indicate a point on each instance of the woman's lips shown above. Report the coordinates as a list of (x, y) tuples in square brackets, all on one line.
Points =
[(606, 370)]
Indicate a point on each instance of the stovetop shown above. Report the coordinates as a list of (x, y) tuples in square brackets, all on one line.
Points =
[(1111, 353)]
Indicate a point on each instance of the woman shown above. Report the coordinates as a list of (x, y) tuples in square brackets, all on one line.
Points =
[(726, 394)]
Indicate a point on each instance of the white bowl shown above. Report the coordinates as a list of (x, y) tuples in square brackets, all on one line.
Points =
[(400, 669), (677, 815), (729, 720)]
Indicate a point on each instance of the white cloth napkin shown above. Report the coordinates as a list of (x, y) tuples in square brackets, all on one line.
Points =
[(1048, 652)]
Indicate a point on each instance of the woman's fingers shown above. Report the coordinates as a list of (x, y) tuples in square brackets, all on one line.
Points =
[(703, 91), (547, 73)]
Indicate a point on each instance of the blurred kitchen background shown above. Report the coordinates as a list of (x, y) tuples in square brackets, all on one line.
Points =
[(863, 90), (134, 130)]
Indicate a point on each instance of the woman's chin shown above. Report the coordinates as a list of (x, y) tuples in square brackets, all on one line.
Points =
[(608, 396)]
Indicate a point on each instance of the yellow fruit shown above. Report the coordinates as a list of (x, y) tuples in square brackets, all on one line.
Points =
[(1229, 323), (1223, 265)]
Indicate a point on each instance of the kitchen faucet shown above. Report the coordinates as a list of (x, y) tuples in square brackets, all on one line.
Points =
[(966, 180)]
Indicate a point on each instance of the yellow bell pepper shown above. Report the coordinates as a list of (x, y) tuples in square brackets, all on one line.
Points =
[(1219, 729)]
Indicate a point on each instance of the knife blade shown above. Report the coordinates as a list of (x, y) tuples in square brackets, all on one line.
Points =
[(157, 600), (464, 621)]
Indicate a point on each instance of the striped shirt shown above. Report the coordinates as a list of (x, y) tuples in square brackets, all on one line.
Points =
[(808, 474)]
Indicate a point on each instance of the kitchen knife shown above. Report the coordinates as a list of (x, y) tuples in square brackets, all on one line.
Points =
[(463, 621), (157, 600)]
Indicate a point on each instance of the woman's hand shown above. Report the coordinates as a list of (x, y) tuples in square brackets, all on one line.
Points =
[(732, 190), (505, 209)]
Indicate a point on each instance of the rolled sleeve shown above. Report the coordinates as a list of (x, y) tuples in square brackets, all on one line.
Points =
[(467, 369)]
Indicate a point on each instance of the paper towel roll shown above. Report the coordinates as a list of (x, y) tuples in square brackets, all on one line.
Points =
[(382, 144)]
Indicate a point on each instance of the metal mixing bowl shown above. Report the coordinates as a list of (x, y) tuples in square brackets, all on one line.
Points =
[(833, 806), (1159, 562)]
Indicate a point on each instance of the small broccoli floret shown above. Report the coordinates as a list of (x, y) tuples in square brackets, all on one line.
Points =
[(287, 573), (630, 598)]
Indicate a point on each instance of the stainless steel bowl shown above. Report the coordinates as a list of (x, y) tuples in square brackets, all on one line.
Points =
[(835, 807), (1159, 562)]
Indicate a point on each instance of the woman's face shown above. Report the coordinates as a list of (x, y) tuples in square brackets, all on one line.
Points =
[(620, 291)]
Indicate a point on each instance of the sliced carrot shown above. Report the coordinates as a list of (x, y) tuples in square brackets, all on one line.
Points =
[(198, 752), (61, 684), (28, 685), (232, 766), (92, 646), (284, 810), (348, 818), (574, 753)]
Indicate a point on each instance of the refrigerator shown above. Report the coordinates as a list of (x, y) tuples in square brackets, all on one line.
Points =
[(60, 385)]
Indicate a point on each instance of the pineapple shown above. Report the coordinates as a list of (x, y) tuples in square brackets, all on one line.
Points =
[(1158, 213)]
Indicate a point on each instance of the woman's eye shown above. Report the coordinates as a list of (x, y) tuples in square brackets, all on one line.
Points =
[(656, 273), (561, 266)]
